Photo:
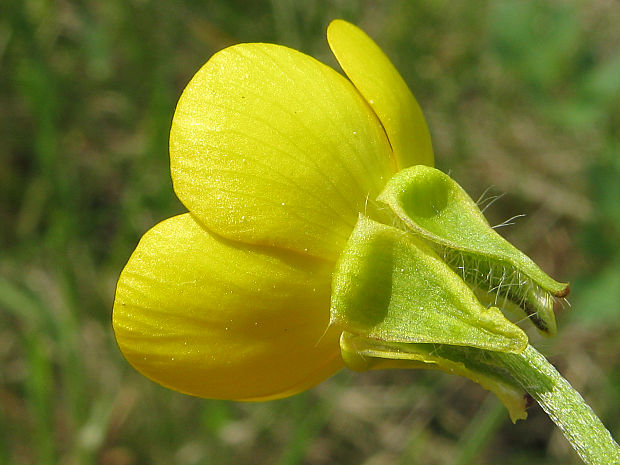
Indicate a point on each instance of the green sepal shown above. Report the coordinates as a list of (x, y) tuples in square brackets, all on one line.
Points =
[(390, 286), (437, 209), (361, 353)]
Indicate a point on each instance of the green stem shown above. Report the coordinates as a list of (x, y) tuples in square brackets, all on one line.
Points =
[(564, 405)]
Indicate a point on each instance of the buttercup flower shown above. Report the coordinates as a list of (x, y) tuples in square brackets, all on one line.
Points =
[(288, 264), (320, 236), (275, 155)]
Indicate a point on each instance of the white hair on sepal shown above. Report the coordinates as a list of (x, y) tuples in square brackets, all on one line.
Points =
[(500, 281), (509, 221)]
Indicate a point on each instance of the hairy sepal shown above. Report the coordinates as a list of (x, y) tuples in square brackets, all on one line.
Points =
[(361, 353), (390, 286), (435, 208)]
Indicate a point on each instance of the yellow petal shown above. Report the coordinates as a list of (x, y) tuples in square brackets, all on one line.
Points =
[(382, 86), (209, 318), (269, 146)]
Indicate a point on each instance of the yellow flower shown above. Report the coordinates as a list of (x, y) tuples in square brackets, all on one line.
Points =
[(275, 155)]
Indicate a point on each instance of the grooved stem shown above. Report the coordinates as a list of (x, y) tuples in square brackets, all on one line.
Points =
[(564, 405)]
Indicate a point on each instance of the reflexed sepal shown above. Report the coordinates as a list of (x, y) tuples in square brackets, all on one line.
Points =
[(361, 353), (391, 287), (437, 209)]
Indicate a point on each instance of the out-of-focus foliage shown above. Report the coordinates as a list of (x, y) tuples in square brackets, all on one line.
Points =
[(520, 95)]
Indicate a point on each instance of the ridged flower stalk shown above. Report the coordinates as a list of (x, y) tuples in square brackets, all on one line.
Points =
[(564, 405)]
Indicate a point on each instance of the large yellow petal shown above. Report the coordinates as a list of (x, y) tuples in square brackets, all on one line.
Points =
[(269, 146), (209, 318), (374, 75)]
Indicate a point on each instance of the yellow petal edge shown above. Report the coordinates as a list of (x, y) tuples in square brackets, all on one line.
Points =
[(269, 146), (209, 318), (376, 78)]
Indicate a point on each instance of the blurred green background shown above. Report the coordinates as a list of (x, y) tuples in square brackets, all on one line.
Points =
[(519, 95)]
